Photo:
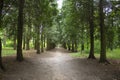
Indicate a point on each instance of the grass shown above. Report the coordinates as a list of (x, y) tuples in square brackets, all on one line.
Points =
[(8, 52), (115, 54)]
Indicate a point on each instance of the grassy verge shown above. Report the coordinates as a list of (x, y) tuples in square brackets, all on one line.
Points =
[(115, 54), (8, 52)]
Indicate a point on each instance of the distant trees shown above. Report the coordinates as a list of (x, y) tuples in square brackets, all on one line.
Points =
[(78, 25), (70, 26)]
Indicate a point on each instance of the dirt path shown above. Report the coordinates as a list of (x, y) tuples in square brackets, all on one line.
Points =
[(57, 65)]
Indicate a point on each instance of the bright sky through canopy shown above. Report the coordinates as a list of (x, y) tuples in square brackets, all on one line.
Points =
[(59, 3)]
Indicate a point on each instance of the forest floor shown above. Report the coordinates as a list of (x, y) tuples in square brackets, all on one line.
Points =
[(57, 64)]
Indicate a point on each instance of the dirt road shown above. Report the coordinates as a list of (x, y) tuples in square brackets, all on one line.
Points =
[(56, 65)]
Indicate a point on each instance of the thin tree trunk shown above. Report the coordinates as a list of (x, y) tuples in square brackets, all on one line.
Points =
[(91, 25), (44, 40), (42, 43), (76, 45), (1, 8), (47, 44), (73, 46), (20, 31), (24, 41), (38, 40), (102, 32)]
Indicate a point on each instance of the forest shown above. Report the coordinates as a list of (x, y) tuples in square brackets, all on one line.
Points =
[(85, 28)]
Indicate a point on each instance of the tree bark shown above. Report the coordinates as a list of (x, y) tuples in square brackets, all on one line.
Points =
[(1, 64), (38, 40), (24, 41), (48, 44), (35, 43), (1, 8), (91, 25), (20, 31), (103, 34), (42, 43)]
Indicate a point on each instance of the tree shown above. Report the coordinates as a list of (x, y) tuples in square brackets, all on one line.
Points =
[(71, 25), (91, 25), (102, 32), (1, 8), (20, 31)]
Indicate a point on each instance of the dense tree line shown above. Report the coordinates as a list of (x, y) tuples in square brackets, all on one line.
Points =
[(85, 21), (40, 25), (25, 22)]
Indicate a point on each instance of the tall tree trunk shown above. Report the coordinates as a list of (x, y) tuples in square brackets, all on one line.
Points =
[(1, 8), (103, 34), (48, 41), (91, 25), (76, 45), (1, 64), (20, 31), (44, 40), (24, 41), (38, 40), (42, 43)]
